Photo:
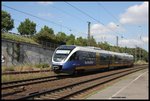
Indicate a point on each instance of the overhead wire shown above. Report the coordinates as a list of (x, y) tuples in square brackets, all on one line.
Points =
[(70, 29), (76, 17), (38, 17), (114, 17), (108, 11), (88, 15)]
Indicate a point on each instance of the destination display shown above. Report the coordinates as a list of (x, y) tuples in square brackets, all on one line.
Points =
[(62, 51)]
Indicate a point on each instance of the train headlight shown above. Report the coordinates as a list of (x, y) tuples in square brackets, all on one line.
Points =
[(57, 68)]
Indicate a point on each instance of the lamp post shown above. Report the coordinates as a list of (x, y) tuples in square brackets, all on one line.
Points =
[(117, 41), (89, 32), (135, 53), (140, 28), (117, 38)]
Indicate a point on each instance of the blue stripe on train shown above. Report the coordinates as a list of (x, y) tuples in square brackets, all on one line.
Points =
[(72, 64)]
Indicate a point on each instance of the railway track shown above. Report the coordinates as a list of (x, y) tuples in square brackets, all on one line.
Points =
[(17, 83), (12, 84), (26, 72), (78, 84), (74, 88), (23, 72), (18, 86)]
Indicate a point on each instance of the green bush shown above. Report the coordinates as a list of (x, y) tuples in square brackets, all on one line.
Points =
[(43, 65), (11, 68)]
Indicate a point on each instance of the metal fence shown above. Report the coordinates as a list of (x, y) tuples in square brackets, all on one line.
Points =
[(49, 44)]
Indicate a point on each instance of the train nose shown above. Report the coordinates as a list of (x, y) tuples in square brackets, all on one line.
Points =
[(56, 68)]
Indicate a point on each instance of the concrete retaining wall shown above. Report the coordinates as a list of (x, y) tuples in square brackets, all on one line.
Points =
[(16, 53)]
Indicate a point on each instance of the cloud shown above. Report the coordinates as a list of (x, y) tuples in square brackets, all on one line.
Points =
[(45, 2), (112, 26), (137, 14), (145, 39), (134, 42), (129, 43), (101, 32), (98, 28)]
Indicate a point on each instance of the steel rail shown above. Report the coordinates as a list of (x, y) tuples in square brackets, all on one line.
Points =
[(23, 72), (69, 86), (12, 84)]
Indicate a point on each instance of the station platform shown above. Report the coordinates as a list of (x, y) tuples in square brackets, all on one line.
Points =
[(133, 86)]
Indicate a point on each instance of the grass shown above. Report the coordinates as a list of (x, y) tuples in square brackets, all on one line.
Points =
[(8, 78), (18, 38), (26, 67), (11, 68), (141, 62)]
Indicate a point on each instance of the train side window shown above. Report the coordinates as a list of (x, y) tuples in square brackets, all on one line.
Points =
[(81, 55), (103, 57), (115, 57), (74, 57)]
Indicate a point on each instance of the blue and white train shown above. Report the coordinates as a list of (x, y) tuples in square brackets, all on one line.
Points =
[(71, 59)]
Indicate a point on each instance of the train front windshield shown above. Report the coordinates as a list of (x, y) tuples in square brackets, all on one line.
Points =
[(61, 55)]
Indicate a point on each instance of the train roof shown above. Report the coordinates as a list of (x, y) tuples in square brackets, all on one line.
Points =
[(95, 49)]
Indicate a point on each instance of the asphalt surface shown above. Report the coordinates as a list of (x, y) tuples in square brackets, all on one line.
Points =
[(133, 86)]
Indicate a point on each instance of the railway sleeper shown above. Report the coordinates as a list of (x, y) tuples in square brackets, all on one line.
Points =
[(74, 88)]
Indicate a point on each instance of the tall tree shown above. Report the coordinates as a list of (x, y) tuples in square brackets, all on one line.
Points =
[(47, 30), (7, 22), (45, 34), (71, 40), (27, 27), (61, 36), (81, 41), (93, 41)]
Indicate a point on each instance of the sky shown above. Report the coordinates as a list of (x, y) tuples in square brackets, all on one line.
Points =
[(127, 20)]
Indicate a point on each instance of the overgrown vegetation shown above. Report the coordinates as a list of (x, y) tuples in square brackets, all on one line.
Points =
[(8, 78), (140, 62), (18, 38), (43, 65), (26, 67), (11, 68)]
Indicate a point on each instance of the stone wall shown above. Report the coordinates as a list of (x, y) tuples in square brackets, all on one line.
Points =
[(16, 53)]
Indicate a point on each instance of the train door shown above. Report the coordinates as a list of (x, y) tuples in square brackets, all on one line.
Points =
[(109, 60), (97, 58), (112, 62), (104, 60)]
